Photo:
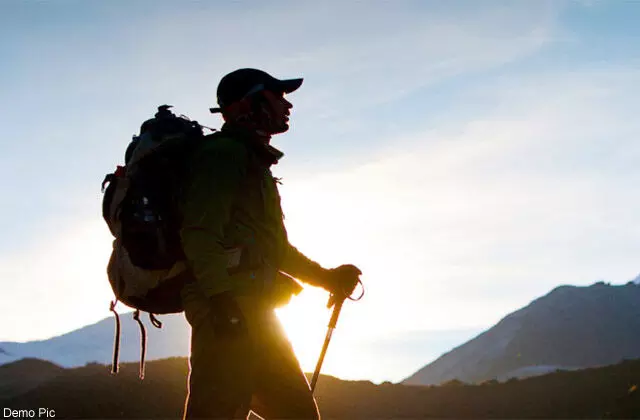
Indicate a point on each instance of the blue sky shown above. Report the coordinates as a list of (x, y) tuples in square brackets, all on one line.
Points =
[(469, 156)]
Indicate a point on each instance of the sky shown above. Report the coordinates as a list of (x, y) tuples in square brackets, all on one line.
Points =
[(467, 156)]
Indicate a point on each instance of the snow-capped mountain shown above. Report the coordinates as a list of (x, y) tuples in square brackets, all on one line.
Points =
[(569, 328), (94, 343)]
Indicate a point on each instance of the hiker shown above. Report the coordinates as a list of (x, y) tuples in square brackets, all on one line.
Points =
[(236, 245)]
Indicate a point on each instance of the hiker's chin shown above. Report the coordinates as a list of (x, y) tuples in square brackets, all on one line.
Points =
[(281, 128)]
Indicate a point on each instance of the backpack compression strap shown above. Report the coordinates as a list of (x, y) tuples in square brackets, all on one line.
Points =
[(143, 341), (116, 343)]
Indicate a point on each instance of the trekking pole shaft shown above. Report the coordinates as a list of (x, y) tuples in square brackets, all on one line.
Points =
[(325, 346)]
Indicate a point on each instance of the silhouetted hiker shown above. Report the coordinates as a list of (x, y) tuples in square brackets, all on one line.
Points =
[(235, 243)]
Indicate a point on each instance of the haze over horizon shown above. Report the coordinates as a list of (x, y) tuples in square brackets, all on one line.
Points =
[(467, 156)]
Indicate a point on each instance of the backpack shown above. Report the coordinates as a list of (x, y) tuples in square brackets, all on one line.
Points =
[(146, 269)]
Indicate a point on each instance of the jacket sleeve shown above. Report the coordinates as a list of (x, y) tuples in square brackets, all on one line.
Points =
[(217, 173), (299, 266)]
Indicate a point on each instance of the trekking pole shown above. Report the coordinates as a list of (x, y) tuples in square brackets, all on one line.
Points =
[(332, 325)]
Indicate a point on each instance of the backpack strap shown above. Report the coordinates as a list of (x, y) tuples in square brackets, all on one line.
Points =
[(155, 321), (143, 342), (116, 343), (143, 338)]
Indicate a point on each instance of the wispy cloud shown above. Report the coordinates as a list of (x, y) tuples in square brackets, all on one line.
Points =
[(471, 220), (373, 67)]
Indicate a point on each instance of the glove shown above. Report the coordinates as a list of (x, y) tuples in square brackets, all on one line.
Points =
[(226, 316), (341, 281)]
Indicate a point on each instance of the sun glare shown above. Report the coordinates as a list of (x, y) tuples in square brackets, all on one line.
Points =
[(305, 321)]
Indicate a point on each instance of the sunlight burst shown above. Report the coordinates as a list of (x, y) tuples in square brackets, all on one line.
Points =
[(305, 321)]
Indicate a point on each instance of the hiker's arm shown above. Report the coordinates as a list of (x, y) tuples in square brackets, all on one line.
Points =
[(298, 265), (206, 210), (340, 280)]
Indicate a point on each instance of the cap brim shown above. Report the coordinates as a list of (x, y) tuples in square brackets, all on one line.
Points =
[(289, 85), (284, 86)]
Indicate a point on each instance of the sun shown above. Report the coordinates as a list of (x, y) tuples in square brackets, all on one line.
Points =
[(305, 321)]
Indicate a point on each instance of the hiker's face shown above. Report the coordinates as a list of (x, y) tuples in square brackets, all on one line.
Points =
[(278, 110)]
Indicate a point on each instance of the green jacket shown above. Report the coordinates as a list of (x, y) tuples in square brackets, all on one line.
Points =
[(231, 198)]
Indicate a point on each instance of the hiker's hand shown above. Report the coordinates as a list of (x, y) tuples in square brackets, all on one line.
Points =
[(226, 316), (341, 281)]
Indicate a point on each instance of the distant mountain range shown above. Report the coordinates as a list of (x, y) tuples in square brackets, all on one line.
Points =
[(94, 343), (570, 328)]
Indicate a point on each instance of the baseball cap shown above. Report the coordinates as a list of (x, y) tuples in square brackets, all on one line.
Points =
[(244, 82)]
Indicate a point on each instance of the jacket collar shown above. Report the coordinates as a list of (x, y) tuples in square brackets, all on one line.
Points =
[(259, 144)]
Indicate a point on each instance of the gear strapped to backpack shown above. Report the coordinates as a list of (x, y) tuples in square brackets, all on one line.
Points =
[(147, 269)]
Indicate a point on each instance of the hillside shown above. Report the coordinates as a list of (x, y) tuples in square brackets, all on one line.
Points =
[(24, 375), (569, 328), (91, 392)]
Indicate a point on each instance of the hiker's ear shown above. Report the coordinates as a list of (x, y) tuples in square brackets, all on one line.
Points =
[(237, 110)]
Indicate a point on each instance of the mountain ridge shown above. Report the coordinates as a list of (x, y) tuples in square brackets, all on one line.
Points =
[(94, 342), (548, 334), (500, 352)]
